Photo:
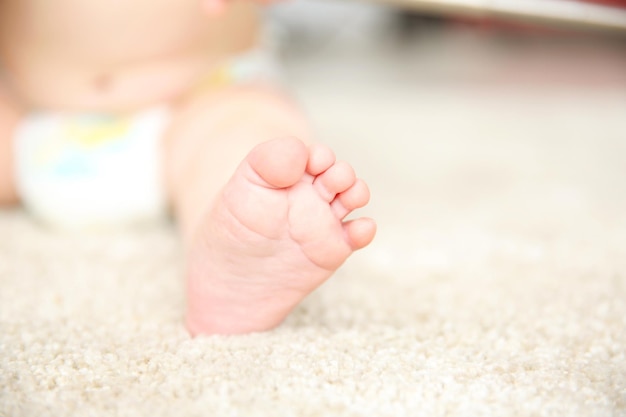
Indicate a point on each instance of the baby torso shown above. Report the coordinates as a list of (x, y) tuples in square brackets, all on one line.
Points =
[(103, 55)]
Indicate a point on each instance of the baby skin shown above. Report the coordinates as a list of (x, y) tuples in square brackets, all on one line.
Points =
[(274, 234), (261, 208)]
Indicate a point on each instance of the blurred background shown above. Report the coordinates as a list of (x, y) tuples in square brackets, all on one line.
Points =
[(480, 130)]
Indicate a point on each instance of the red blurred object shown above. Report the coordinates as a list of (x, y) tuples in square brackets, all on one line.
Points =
[(512, 25), (615, 3)]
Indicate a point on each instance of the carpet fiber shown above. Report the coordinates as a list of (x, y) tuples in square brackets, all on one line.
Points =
[(496, 286)]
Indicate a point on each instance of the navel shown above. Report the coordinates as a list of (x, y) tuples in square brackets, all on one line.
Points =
[(103, 82)]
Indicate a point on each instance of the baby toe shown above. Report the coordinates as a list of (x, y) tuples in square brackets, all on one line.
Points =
[(321, 157), (336, 179), (357, 196), (360, 232)]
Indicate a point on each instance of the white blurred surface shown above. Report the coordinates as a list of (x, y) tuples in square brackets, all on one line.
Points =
[(467, 131)]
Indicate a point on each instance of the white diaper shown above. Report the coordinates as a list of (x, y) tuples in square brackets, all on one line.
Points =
[(91, 170), (81, 170)]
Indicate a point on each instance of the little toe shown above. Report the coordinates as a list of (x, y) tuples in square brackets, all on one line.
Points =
[(360, 232), (321, 157), (353, 198), (334, 180), (279, 163)]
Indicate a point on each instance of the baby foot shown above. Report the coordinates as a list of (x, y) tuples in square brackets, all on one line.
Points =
[(274, 234)]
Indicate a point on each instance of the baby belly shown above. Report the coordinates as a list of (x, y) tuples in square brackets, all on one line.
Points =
[(108, 56), (57, 85)]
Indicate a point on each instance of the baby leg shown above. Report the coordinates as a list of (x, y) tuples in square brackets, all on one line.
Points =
[(9, 116), (262, 217)]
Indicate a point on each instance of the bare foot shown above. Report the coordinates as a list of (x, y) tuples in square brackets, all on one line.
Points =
[(275, 234)]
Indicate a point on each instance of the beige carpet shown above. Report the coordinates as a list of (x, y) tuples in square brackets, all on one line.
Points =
[(496, 287)]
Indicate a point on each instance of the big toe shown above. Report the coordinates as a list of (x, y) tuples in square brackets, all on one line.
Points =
[(279, 163)]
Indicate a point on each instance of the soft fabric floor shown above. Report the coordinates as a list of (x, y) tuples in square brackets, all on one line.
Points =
[(496, 286)]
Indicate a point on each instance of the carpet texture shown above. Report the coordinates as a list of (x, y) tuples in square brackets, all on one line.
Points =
[(496, 286)]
